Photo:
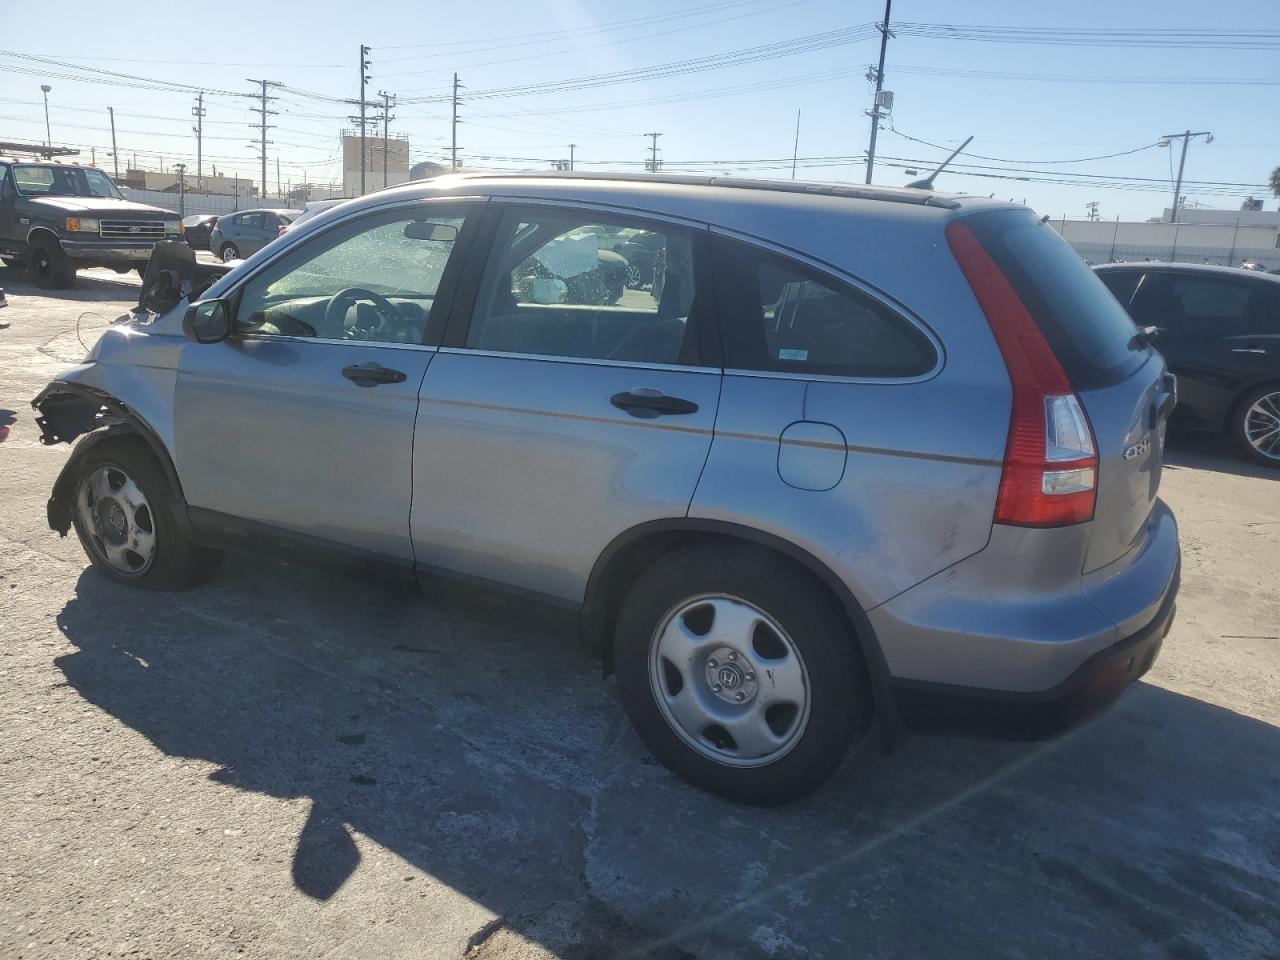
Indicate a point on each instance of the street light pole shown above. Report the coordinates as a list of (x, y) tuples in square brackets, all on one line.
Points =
[(48, 139)]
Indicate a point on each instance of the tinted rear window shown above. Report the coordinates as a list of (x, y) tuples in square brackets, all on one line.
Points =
[(1087, 327)]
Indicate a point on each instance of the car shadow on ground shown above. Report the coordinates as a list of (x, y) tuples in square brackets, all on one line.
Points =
[(495, 760), (1190, 448)]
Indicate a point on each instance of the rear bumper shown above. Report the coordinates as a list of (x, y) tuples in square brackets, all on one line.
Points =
[(1090, 690), (1017, 625), (109, 251)]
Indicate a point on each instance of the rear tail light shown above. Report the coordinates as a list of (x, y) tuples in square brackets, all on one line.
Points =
[(1050, 476)]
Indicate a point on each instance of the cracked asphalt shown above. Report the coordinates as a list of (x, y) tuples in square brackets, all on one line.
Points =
[(293, 762)]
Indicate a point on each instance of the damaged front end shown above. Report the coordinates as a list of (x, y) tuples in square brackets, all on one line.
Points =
[(65, 411)]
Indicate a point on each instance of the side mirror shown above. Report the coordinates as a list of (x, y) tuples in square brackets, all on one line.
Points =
[(208, 321)]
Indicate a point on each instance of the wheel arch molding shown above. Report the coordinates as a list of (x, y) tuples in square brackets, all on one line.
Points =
[(635, 549)]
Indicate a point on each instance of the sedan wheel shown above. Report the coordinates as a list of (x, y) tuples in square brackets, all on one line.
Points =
[(119, 520), (229, 253), (1261, 427)]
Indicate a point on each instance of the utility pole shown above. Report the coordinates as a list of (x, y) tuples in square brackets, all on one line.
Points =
[(795, 150), (1182, 162), (364, 79), (386, 120), (572, 147), (278, 193), (652, 164), (198, 111), (453, 151), (263, 113), (1092, 207), (115, 154), (875, 112), (182, 189)]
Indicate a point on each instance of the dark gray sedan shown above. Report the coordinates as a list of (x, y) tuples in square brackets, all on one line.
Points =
[(242, 234)]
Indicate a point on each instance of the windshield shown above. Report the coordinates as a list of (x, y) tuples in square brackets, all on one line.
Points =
[(59, 181)]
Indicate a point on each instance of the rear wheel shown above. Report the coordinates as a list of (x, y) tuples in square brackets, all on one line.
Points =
[(229, 252), (49, 267), (126, 518), (1256, 425), (740, 673)]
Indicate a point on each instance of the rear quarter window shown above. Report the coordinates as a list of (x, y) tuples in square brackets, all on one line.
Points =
[(779, 314), (1089, 331)]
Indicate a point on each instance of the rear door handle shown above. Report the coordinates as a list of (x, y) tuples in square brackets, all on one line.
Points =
[(649, 403), (371, 374)]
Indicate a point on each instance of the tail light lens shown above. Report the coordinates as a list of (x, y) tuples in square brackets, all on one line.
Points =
[(1050, 476)]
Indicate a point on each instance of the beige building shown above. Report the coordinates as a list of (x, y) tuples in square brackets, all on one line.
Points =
[(395, 151)]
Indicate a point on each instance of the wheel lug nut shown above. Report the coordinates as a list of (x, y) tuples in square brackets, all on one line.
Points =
[(713, 663), (733, 656), (750, 676), (739, 697), (716, 687)]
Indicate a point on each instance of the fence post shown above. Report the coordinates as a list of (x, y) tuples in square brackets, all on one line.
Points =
[(1231, 257), (1114, 233)]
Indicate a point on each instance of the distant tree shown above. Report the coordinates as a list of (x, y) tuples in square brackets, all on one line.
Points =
[(1275, 181)]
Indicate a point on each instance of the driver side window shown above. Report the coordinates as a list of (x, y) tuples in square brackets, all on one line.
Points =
[(374, 280)]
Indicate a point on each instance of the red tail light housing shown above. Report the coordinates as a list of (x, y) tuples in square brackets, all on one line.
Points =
[(1050, 474)]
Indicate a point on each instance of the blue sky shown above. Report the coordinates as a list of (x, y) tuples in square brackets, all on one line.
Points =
[(1014, 113)]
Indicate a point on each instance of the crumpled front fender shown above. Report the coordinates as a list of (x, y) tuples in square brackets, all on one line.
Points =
[(67, 410)]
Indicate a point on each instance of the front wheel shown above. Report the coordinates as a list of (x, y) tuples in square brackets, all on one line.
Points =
[(740, 673), (49, 266), (1256, 425), (229, 252), (126, 519)]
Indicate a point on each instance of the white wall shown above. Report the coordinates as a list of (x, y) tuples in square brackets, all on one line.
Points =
[(215, 203), (1101, 241)]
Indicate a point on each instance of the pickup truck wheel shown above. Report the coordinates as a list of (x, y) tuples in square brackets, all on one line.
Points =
[(127, 520), (740, 673), (49, 266), (229, 253)]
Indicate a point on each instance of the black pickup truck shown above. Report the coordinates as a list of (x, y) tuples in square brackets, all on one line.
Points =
[(58, 218)]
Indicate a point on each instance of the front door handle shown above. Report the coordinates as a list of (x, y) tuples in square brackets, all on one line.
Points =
[(649, 403), (371, 374)]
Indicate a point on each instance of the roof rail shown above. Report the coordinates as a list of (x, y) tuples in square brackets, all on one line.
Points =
[(921, 198)]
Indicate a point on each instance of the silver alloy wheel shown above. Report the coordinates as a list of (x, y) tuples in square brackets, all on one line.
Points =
[(1262, 425), (729, 680), (118, 519), (230, 253)]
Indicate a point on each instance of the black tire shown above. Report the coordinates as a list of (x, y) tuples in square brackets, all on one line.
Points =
[(49, 267), (1238, 429), (228, 248), (839, 693), (177, 563)]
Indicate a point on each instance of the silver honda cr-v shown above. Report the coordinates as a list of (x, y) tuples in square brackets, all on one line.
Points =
[(843, 455)]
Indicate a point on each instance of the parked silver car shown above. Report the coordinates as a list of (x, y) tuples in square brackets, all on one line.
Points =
[(238, 235), (867, 452)]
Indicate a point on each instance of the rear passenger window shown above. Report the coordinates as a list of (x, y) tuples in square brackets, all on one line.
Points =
[(564, 284), (778, 314)]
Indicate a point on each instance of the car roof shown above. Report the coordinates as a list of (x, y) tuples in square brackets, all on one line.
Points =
[(1207, 269), (660, 191)]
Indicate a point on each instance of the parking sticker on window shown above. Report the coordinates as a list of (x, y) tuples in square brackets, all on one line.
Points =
[(793, 354)]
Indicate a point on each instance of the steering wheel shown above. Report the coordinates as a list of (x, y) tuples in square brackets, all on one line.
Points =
[(335, 314)]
